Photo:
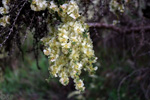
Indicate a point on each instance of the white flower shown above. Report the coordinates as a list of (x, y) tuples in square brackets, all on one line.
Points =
[(2, 10), (78, 28), (74, 39), (95, 68), (79, 85), (66, 45), (38, 5), (47, 52), (79, 66), (4, 20), (5, 3), (64, 80), (72, 15), (64, 6), (65, 36), (53, 6)]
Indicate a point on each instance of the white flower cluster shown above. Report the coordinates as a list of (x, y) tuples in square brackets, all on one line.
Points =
[(38, 5), (66, 10), (69, 47), (4, 20), (115, 6)]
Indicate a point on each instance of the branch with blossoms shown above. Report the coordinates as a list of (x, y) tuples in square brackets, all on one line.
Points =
[(67, 44), (13, 25)]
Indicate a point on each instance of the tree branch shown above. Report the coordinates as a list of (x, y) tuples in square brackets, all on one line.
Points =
[(13, 25), (119, 29)]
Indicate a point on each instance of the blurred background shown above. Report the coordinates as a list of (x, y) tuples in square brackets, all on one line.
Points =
[(121, 38)]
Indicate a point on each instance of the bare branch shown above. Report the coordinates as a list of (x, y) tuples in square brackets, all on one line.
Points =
[(119, 29), (13, 25)]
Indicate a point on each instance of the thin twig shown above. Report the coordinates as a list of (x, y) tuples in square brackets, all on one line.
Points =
[(119, 29), (125, 78), (13, 25)]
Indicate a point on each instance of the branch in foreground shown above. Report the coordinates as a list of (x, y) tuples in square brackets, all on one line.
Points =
[(13, 25)]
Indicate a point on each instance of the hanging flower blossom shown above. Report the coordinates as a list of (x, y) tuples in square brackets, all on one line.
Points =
[(69, 48)]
